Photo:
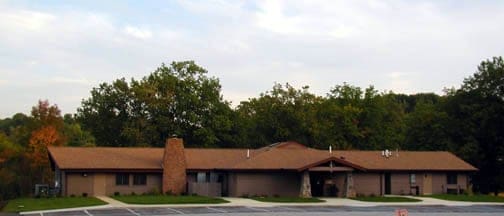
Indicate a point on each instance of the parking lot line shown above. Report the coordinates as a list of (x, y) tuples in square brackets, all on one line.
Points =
[(89, 214), (132, 212), (218, 210)]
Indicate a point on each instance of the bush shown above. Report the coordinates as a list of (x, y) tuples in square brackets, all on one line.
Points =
[(84, 194), (194, 194), (117, 193), (245, 195), (133, 193), (72, 195), (169, 193), (154, 191), (276, 195), (372, 195)]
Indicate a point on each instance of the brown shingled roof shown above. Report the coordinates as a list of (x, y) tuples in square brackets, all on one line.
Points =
[(288, 156)]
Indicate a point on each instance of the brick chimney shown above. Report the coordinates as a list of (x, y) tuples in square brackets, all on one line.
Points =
[(174, 167)]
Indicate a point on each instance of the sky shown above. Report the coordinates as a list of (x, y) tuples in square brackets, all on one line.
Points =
[(60, 50)]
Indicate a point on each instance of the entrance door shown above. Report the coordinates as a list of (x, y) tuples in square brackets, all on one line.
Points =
[(427, 184), (317, 184), (99, 184), (388, 189)]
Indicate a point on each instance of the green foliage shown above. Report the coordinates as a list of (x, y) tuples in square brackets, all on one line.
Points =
[(176, 99), (34, 204), (469, 198)]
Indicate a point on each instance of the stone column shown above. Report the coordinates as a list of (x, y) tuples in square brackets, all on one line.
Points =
[(349, 191), (305, 191), (174, 167)]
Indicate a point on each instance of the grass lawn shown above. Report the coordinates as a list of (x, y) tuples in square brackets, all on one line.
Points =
[(33, 204), (287, 199), (165, 199), (468, 198), (386, 199)]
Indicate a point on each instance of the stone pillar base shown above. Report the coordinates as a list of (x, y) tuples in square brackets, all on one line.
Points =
[(305, 191)]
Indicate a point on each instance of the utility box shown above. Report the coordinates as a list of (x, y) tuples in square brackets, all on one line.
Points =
[(41, 190)]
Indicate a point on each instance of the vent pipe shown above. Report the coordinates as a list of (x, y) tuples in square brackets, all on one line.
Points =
[(248, 153), (330, 149)]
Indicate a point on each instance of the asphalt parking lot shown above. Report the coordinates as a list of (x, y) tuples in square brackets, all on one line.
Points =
[(289, 210)]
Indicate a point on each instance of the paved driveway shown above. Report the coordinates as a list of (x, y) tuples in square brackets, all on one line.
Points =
[(290, 210)]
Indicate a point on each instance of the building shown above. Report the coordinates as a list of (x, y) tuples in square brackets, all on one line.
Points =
[(280, 169)]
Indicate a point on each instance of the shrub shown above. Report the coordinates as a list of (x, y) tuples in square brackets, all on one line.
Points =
[(133, 193), (372, 195), (245, 195), (276, 195), (154, 191), (72, 195), (84, 194), (169, 193), (117, 193), (194, 194)]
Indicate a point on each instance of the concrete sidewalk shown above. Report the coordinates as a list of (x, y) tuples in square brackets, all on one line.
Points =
[(235, 201)]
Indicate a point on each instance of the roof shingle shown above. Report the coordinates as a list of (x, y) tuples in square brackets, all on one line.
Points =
[(288, 156)]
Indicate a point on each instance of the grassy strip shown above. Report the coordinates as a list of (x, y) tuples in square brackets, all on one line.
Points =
[(165, 199), (34, 204), (287, 199), (386, 199), (468, 198)]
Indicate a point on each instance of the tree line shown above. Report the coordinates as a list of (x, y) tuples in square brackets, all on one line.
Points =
[(181, 99)]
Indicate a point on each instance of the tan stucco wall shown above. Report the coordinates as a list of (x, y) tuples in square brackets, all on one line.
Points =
[(104, 184), (270, 184), (400, 183), (438, 181), (367, 183), (77, 184)]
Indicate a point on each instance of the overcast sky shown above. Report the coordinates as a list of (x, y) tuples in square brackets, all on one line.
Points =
[(60, 51)]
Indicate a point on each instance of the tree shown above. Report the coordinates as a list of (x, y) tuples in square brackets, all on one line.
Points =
[(9, 156), (477, 110), (176, 99), (281, 114)]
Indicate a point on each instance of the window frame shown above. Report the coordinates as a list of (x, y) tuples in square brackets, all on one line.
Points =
[(139, 179), (412, 178), (451, 178), (122, 179)]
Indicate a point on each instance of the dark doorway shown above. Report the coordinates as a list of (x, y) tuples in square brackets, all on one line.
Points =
[(317, 184), (387, 183)]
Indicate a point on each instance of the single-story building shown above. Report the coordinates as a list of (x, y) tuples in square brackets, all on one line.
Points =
[(280, 169)]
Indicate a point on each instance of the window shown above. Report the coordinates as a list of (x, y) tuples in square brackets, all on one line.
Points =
[(122, 179), (451, 178), (412, 178), (139, 179), (202, 177)]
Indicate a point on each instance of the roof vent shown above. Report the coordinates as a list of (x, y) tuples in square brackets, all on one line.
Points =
[(386, 153)]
